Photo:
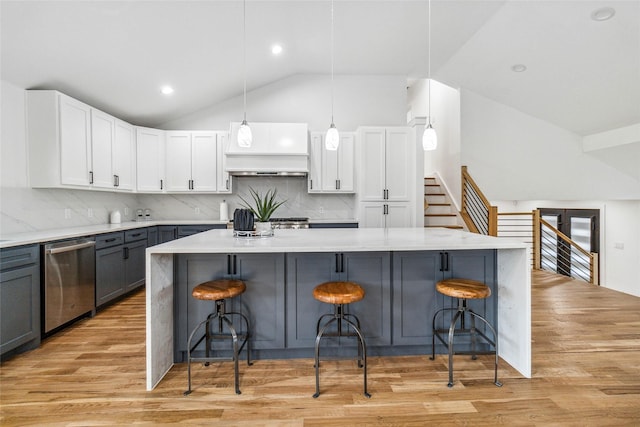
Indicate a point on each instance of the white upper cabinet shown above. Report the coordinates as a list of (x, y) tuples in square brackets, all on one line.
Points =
[(123, 156), (332, 171), (59, 140), (386, 157), (149, 160), (193, 162), (223, 179), (73, 145)]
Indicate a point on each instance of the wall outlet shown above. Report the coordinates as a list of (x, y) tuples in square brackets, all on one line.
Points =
[(618, 245), (197, 210), (89, 213), (321, 210), (67, 213), (126, 211)]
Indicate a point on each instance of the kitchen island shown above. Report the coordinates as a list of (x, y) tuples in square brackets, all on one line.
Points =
[(397, 267)]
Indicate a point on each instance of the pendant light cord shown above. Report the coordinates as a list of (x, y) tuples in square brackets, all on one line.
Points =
[(332, 84), (244, 55), (429, 58)]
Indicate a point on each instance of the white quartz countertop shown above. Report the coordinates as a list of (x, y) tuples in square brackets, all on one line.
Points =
[(331, 240), (36, 237)]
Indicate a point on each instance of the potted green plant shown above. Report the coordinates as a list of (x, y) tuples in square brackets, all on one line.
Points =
[(264, 205)]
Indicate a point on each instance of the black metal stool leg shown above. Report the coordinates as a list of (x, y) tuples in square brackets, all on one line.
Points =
[(452, 330), (495, 345), (362, 344), (317, 354)]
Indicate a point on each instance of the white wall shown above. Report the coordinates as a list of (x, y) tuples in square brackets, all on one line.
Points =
[(619, 236), (359, 101), (445, 119), (514, 156)]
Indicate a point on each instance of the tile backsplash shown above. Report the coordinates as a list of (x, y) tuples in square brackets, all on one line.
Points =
[(26, 209)]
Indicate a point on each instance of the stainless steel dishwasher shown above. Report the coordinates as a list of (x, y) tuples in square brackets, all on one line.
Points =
[(69, 281)]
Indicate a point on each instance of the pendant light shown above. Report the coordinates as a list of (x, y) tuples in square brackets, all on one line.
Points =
[(429, 137), (332, 139), (244, 133)]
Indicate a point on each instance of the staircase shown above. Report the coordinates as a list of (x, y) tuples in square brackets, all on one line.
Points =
[(438, 209)]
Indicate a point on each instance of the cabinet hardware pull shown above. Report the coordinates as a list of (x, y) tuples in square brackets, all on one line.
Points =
[(342, 263), (228, 264), (227, 184), (125, 252), (110, 240), (161, 184), (337, 263), (235, 262), (90, 177), (311, 184)]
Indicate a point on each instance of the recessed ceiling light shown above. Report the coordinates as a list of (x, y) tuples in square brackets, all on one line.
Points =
[(276, 49), (519, 68), (166, 90), (603, 14)]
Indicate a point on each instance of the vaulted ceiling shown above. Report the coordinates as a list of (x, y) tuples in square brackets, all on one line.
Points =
[(582, 74)]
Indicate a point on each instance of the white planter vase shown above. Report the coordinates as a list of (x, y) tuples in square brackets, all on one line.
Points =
[(263, 227)]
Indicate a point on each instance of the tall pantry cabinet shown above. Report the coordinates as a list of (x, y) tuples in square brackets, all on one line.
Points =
[(386, 177)]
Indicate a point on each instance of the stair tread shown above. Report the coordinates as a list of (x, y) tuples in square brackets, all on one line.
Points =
[(442, 214), (434, 194), (444, 226), (439, 204)]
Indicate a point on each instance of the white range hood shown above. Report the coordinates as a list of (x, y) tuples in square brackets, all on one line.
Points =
[(278, 149)]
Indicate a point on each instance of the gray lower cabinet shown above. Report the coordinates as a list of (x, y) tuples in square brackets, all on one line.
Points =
[(188, 230), (333, 225), (167, 233), (415, 298), (372, 270), (152, 236), (263, 301), (19, 299), (120, 263)]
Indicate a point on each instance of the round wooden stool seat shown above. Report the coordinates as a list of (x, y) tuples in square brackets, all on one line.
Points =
[(463, 288), (220, 289), (338, 292)]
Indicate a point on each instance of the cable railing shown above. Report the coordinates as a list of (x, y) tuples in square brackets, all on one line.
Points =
[(522, 226), (560, 254), (478, 214), (551, 249)]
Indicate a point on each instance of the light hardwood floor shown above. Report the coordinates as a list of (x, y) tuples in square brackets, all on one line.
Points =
[(586, 371)]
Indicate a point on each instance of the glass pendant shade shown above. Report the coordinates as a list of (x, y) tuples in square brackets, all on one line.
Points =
[(429, 139), (332, 139), (244, 135)]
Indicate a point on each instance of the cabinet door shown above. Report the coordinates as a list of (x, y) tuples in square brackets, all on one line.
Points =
[(372, 271), (19, 307), (415, 275), (178, 157), (372, 215), (223, 179), (204, 153), (476, 265), (372, 166), (75, 143), (149, 160), (124, 156), (134, 273), (315, 162), (167, 233), (398, 215), (102, 136), (330, 168), (264, 299), (346, 162), (305, 272), (398, 168), (152, 236), (110, 274)]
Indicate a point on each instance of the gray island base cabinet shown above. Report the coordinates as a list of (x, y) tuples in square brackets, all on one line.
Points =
[(397, 267)]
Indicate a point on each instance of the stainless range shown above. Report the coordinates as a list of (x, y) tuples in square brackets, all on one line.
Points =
[(292, 223), (282, 223)]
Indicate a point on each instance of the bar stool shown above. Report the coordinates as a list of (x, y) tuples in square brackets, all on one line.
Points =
[(218, 291), (464, 289), (339, 294)]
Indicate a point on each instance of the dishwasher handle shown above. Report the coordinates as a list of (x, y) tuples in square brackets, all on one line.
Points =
[(70, 248)]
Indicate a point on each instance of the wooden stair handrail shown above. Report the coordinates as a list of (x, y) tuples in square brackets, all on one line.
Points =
[(492, 220)]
